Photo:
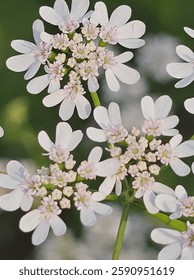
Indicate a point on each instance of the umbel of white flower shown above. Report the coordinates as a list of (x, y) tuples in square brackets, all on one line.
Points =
[(78, 52)]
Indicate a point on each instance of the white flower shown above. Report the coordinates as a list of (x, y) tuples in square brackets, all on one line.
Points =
[(59, 15), (115, 69), (178, 203), (172, 152), (32, 55), (1, 132), (189, 31), (24, 187), (180, 245), (117, 30), (92, 167), (88, 204), (189, 105), (182, 70), (156, 113), (71, 96), (110, 122), (42, 219), (66, 140)]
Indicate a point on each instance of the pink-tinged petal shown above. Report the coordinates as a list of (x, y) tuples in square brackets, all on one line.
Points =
[(12, 200), (83, 107), (75, 140), (180, 192), (131, 43), (162, 106), (147, 107), (118, 187), (149, 201), (93, 84), (63, 134), (54, 85), (7, 182), (116, 19), (79, 8), (20, 63), (38, 84), (66, 109), (37, 28), (107, 185), (100, 14), (179, 70), (98, 196), (189, 31), (185, 53), (32, 70), (96, 134), (61, 7), (126, 74), (163, 189), (171, 252), (26, 202), (166, 203), (87, 217), (102, 118), (107, 167), (170, 122), (124, 57), (185, 81), (175, 140), (54, 98), (41, 232), (101, 208), (179, 167), (50, 15), (132, 30), (185, 149), (111, 80), (30, 221), (16, 171), (95, 155), (187, 253), (165, 236), (114, 113), (58, 226), (45, 141), (23, 46), (189, 105)]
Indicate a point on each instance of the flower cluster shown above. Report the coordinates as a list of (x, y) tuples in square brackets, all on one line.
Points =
[(76, 54)]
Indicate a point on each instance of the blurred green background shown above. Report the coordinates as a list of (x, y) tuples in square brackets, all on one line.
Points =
[(23, 115)]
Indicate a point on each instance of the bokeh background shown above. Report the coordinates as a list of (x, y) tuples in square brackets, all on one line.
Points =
[(23, 115)]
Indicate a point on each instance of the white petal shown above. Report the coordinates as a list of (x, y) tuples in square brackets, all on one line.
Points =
[(1, 132), (185, 149), (45, 141), (54, 85), (101, 208), (46, 37), (95, 155), (107, 167), (162, 106), (61, 7), (7, 182), (38, 84), (12, 200), (187, 253), (16, 171), (176, 215), (58, 226), (50, 15), (116, 19), (124, 57), (163, 189), (23, 46), (37, 28), (111, 80), (66, 109), (179, 70), (175, 140), (30, 221), (83, 107), (147, 107), (126, 74), (107, 185), (63, 135), (114, 113), (96, 134), (179, 167), (87, 217), (75, 140), (170, 122), (169, 132), (79, 8), (165, 236), (185, 81), (189, 31), (98, 196), (41, 232), (149, 201), (166, 203), (54, 98), (171, 252), (26, 202), (189, 105), (33, 69), (180, 192), (100, 14), (102, 118), (185, 53), (20, 63), (131, 43), (118, 187), (93, 84), (192, 166), (132, 30)]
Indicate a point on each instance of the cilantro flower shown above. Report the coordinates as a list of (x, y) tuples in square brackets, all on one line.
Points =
[(179, 245), (157, 123)]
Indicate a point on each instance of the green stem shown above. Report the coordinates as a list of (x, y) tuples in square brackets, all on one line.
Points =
[(121, 232), (174, 224), (95, 99)]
